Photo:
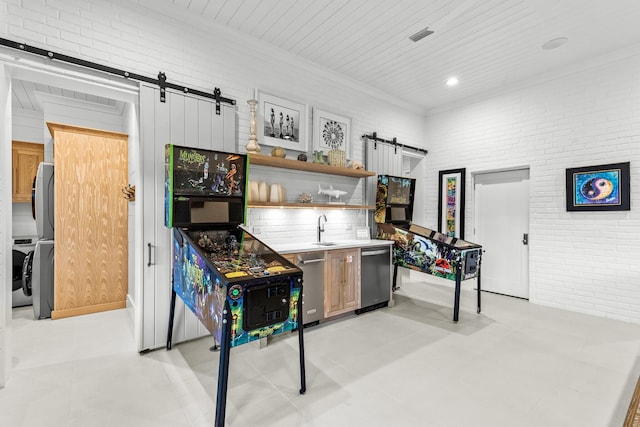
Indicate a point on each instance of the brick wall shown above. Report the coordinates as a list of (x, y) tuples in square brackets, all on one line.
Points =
[(578, 261), (582, 261), (128, 36)]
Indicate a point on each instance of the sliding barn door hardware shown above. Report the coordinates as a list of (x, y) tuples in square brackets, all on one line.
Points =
[(161, 81), (374, 137)]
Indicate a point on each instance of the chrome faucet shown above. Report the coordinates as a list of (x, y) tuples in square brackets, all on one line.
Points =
[(321, 225)]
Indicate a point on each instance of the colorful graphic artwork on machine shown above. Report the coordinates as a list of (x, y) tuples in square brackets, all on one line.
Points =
[(195, 281), (198, 288), (207, 173), (451, 206), (393, 191), (382, 190), (600, 187), (419, 252), (240, 336)]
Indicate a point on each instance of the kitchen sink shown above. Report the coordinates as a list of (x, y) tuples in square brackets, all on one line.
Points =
[(324, 243)]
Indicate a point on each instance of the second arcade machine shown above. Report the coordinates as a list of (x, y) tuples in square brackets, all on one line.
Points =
[(419, 248), (237, 287)]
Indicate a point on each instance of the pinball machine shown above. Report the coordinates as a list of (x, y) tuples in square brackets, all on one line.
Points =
[(419, 248), (239, 288)]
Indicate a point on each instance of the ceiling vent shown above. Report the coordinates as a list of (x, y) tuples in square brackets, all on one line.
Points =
[(421, 34)]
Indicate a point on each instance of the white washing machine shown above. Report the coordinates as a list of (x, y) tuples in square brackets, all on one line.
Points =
[(42, 279), (22, 245)]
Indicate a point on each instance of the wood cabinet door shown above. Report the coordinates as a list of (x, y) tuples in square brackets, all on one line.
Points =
[(333, 283), (26, 156), (342, 281), (351, 290)]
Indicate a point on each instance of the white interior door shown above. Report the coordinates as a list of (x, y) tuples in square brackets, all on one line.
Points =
[(502, 227)]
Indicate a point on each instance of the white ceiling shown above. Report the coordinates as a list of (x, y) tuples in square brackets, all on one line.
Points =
[(27, 95), (487, 44)]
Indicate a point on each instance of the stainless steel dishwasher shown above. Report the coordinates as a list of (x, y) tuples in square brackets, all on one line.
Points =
[(375, 278), (312, 266)]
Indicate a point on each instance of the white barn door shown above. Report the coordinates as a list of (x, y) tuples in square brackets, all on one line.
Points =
[(181, 120)]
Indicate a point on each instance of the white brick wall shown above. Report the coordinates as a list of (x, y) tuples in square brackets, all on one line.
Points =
[(127, 36), (582, 261), (578, 261)]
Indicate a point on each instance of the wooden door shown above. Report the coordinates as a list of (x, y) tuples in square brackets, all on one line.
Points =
[(26, 156), (91, 266), (501, 224)]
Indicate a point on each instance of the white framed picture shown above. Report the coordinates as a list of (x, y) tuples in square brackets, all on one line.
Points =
[(282, 123), (331, 131)]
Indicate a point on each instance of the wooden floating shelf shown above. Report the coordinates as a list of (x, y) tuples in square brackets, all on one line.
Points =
[(262, 160), (306, 206)]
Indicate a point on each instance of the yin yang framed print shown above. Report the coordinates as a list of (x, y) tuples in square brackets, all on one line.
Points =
[(598, 188), (331, 132)]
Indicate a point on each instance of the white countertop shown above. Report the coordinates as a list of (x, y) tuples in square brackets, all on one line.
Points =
[(339, 244)]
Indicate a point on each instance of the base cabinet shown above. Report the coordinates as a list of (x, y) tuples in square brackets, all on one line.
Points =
[(342, 281)]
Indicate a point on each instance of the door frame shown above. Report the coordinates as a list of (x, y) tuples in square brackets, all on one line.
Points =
[(21, 66), (474, 175)]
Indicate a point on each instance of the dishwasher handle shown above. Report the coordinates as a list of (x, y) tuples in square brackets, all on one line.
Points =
[(372, 253), (303, 261)]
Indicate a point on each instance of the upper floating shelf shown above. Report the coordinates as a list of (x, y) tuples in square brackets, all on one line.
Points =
[(262, 160)]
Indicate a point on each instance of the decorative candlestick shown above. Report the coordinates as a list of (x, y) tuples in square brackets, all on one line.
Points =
[(252, 146)]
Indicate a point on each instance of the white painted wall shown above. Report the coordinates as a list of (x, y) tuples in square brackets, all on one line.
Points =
[(127, 36), (27, 127), (589, 115), (5, 225)]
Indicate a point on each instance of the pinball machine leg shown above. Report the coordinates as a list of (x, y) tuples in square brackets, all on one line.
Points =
[(303, 379), (395, 278), (172, 310), (223, 367), (456, 301), (479, 274)]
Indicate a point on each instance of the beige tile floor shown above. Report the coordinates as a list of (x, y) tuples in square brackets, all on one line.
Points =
[(516, 364)]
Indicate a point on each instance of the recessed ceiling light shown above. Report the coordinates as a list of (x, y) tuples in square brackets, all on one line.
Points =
[(554, 43), (452, 81)]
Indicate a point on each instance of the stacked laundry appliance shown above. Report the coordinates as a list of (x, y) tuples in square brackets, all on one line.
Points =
[(37, 274)]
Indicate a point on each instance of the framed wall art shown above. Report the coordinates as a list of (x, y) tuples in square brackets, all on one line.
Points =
[(282, 122), (451, 203), (598, 188), (331, 131)]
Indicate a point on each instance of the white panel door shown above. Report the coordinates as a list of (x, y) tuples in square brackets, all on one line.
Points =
[(502, 227), (181, 120)]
